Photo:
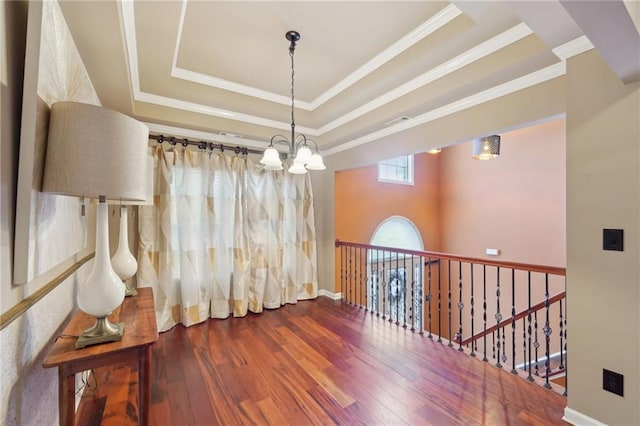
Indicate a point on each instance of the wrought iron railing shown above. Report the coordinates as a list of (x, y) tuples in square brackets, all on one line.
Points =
[(504, 311)]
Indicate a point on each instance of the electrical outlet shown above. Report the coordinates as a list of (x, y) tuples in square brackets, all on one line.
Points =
[(613, 382)]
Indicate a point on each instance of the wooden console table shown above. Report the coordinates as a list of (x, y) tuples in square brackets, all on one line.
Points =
[(140, 332)]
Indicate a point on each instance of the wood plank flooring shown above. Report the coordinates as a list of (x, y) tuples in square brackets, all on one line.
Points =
[(318, 362)]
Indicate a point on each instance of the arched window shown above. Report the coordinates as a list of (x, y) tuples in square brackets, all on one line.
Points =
[(398, 232), (395, 276)]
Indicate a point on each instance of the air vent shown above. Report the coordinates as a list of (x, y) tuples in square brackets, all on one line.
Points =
[(229, 135), (397, 120)]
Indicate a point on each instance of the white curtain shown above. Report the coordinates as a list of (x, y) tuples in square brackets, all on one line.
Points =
[(224, 237)]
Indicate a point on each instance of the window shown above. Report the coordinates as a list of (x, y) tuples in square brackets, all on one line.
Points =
[(396, 170)]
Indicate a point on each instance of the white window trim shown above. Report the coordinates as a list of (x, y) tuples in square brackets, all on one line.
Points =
[(410, 170)]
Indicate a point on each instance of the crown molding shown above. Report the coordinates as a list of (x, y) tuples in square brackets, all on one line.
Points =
[(480, 51), (242, 89), (520, 83), (572, 48), (218, 112), (436, 22)]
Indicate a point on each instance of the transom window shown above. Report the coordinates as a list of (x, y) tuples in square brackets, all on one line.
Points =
[(396, 170)]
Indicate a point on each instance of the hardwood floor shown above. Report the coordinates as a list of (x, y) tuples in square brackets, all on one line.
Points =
[(317, 362)]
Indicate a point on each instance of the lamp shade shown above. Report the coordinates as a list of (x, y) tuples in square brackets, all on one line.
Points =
[(94, 151), (486, 148), (148, 186)]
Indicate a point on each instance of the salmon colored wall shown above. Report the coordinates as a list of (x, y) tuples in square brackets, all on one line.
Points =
[(515, 203), (362, 203)]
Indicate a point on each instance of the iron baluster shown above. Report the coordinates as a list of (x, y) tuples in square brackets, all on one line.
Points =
[(504, 346), (484, 311), (371, 281), (393, 301), (566, 376), (360, 282), (561, 332), (342, 278), (412, 313), (547, 332), (378, 283), (498, 316), (460, 306), (420, 307), (524, 343), (530, 377), (536, 344), (404, 290), (428, 298), (351, 279), (384, 286), (493, 345), (473, 339), (513, 321)]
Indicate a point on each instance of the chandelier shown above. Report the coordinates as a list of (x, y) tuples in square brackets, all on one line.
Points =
[(303, 158)]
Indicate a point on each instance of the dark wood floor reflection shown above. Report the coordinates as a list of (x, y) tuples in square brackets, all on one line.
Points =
[(317, 362)]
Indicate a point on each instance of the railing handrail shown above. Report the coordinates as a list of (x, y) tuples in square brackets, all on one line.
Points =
[(553, 270), (535, 308)]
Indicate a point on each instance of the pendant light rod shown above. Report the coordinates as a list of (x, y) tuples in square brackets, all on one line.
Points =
[(298, 146), (293, 37)]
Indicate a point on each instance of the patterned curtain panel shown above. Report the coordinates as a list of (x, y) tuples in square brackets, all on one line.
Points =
[(224, 237)]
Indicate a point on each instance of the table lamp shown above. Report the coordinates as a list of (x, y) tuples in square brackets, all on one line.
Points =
[(98, 153), (123, 261)]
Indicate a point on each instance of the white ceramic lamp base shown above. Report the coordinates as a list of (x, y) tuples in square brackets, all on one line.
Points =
[(123, 262), (102, 292)]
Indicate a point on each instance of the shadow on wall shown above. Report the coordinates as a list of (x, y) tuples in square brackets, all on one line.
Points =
[(33, 379)]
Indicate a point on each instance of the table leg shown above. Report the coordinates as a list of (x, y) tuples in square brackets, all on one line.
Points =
[(144, 375), (66, 397)]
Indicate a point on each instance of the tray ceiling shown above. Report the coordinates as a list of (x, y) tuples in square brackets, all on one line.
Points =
[(216, 69)]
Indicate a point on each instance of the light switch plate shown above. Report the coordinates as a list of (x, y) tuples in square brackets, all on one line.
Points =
[(613, 239)]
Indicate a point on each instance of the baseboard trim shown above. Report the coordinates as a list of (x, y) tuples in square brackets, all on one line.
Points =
[(578, 419), (329, 294)]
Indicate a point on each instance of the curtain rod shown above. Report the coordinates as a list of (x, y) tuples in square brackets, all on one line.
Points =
[(204, 144)]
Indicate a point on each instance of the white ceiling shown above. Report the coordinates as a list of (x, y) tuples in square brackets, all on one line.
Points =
[(205, 69)]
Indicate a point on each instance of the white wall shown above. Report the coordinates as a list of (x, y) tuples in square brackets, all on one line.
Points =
[(603, 191), (29, 393)]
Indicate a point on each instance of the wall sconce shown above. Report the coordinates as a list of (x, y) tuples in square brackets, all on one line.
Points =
[(98, 153), (434, 151), (486, 148)]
